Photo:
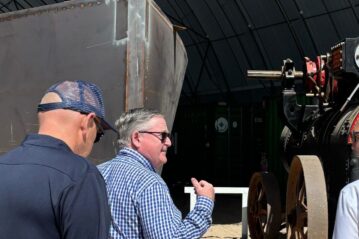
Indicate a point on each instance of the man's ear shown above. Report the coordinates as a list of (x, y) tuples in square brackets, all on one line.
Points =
[(136, 139), (87, 122)]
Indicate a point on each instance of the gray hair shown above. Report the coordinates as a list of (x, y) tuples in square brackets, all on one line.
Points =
[(131, 121)]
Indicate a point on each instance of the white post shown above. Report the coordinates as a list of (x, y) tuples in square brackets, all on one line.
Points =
[(193, 197), (244, 215)]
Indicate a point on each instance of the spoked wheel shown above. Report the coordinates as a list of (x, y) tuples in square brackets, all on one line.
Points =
[(306, 206), (264, 207)]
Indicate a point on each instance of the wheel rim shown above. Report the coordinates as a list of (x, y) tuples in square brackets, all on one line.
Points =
[(264, 212), (306, 206)]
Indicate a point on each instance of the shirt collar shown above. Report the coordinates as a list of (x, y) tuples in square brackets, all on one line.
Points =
[(133, 154), (45, 140)]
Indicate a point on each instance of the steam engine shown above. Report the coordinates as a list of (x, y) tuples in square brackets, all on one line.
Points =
[(319, 119)]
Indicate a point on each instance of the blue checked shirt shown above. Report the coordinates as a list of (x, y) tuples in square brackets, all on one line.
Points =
[(141, 204)]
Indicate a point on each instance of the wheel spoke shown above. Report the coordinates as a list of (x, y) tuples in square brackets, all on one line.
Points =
[(264, 213)]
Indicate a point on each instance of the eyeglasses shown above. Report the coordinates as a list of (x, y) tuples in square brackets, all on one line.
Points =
[(355, 136), (100, 130), (162, 136)]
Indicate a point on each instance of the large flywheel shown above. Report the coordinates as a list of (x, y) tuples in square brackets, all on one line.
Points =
[(306, 202), (264, 207)]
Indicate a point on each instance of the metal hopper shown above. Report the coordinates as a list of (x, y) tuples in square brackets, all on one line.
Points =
[(127, 47)]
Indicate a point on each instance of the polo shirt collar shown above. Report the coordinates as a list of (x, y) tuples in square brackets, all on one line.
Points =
[(45, 140)]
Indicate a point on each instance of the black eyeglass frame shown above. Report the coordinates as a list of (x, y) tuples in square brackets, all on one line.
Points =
[(100, 131), (162, 135)]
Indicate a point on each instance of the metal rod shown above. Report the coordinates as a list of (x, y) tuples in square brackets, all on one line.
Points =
[(270, 74), (349, 98)]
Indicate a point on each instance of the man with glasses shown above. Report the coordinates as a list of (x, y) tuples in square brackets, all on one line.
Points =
[(347, 215), (48, 189), (140, 201)]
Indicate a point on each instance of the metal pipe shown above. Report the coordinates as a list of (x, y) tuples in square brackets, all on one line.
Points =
[(349, 98), (271, 75)]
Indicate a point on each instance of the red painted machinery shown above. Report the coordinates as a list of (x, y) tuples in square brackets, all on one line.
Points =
[(316, 146)]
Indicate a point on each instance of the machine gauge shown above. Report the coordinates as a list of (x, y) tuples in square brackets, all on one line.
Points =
[(356, 56)]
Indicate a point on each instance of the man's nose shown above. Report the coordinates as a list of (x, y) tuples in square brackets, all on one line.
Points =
[(168, 142)]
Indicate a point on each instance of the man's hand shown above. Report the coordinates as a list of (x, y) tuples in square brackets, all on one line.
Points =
[(203, 188)]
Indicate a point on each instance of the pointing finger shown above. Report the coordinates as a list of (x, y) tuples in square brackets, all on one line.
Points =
[(195, 182)]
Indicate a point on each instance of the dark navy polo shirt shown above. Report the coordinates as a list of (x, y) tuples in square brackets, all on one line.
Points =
[(47, 191)]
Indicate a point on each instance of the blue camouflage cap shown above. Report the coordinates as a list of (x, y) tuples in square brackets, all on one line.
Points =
[(81, 96)]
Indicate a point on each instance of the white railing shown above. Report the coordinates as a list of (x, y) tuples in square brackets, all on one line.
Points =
[(227, 190)]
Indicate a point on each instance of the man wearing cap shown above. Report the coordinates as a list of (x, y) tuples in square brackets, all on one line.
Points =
[(140, 201), (47, 187)]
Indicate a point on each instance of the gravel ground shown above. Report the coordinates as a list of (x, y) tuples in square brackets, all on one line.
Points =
[(225, 231)]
